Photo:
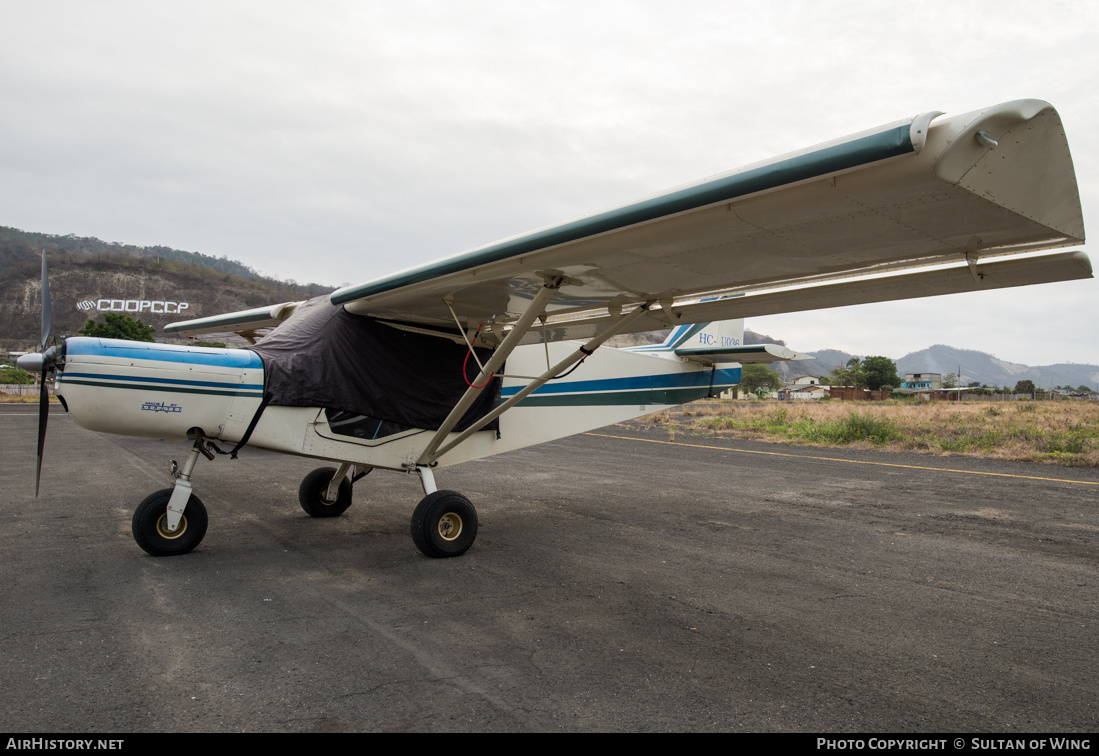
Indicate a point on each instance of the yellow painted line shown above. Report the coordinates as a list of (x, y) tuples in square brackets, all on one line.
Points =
[(849, 461)]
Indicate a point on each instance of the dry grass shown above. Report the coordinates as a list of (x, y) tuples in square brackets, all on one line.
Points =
[(24, 399), (1064, 433)]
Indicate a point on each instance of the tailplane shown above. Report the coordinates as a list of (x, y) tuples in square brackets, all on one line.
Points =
[(721, 341)]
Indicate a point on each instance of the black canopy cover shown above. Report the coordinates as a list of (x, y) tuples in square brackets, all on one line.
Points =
[(323, 356)]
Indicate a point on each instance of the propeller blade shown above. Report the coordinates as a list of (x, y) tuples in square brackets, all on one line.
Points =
[(43, 362), (43, 416), (47, 308)]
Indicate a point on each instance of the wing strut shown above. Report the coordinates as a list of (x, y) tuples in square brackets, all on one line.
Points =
[(518, 331), (429, 456)]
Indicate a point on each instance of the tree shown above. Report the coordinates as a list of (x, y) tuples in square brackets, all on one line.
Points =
[(1025, 387), (755, 377), (118, 325), (14, 375), (950, 380), (879, 373), (874, 373), (850, 374)]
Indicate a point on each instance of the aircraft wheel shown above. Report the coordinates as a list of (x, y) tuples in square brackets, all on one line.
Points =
[(444, 524), (314, 487), (151, 530)]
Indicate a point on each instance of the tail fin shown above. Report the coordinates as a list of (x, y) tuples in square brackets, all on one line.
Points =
[(721, 334), (685, 339)]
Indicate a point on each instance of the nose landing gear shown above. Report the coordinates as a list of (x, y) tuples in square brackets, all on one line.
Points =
[(150, 525), (173, 521)]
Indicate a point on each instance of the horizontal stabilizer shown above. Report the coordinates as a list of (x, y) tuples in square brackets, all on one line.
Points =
[(751, 354)]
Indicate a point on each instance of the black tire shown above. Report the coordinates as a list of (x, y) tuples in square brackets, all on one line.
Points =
[(312, 491), (444, 524), (150, 530)]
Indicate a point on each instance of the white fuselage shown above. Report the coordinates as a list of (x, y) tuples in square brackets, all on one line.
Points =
[(163, 391)]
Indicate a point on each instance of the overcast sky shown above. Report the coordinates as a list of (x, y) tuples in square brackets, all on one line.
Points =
[(337, 142)]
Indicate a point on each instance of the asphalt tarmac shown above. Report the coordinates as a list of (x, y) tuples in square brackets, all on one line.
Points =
[(619, 582)]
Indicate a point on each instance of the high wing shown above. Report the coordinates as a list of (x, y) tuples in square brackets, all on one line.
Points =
[(847, 222), (921, 207), (245, 322)]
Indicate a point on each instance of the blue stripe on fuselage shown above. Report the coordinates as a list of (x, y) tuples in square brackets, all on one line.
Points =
[(139, 350), (726, 376), (142, 379)]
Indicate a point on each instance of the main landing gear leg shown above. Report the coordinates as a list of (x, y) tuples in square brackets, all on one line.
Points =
[(326, 492), (445, 522), (173, 521)]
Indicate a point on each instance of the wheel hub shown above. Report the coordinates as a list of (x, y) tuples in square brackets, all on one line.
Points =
[(450, 526), (162, 527)]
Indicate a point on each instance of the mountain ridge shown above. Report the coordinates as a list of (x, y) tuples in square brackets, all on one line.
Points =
[(975, 366)]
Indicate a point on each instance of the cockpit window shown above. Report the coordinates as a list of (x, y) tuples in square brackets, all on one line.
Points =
[(362, 426)]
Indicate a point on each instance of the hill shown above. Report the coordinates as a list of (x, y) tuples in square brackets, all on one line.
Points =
[(157, 284), (979, 367), (19, 248), (985, 368), (975, 366)]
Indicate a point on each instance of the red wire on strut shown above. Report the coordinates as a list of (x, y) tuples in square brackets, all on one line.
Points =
[(466, 361)]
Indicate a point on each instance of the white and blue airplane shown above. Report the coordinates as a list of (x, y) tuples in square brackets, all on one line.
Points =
[(498, 348)]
